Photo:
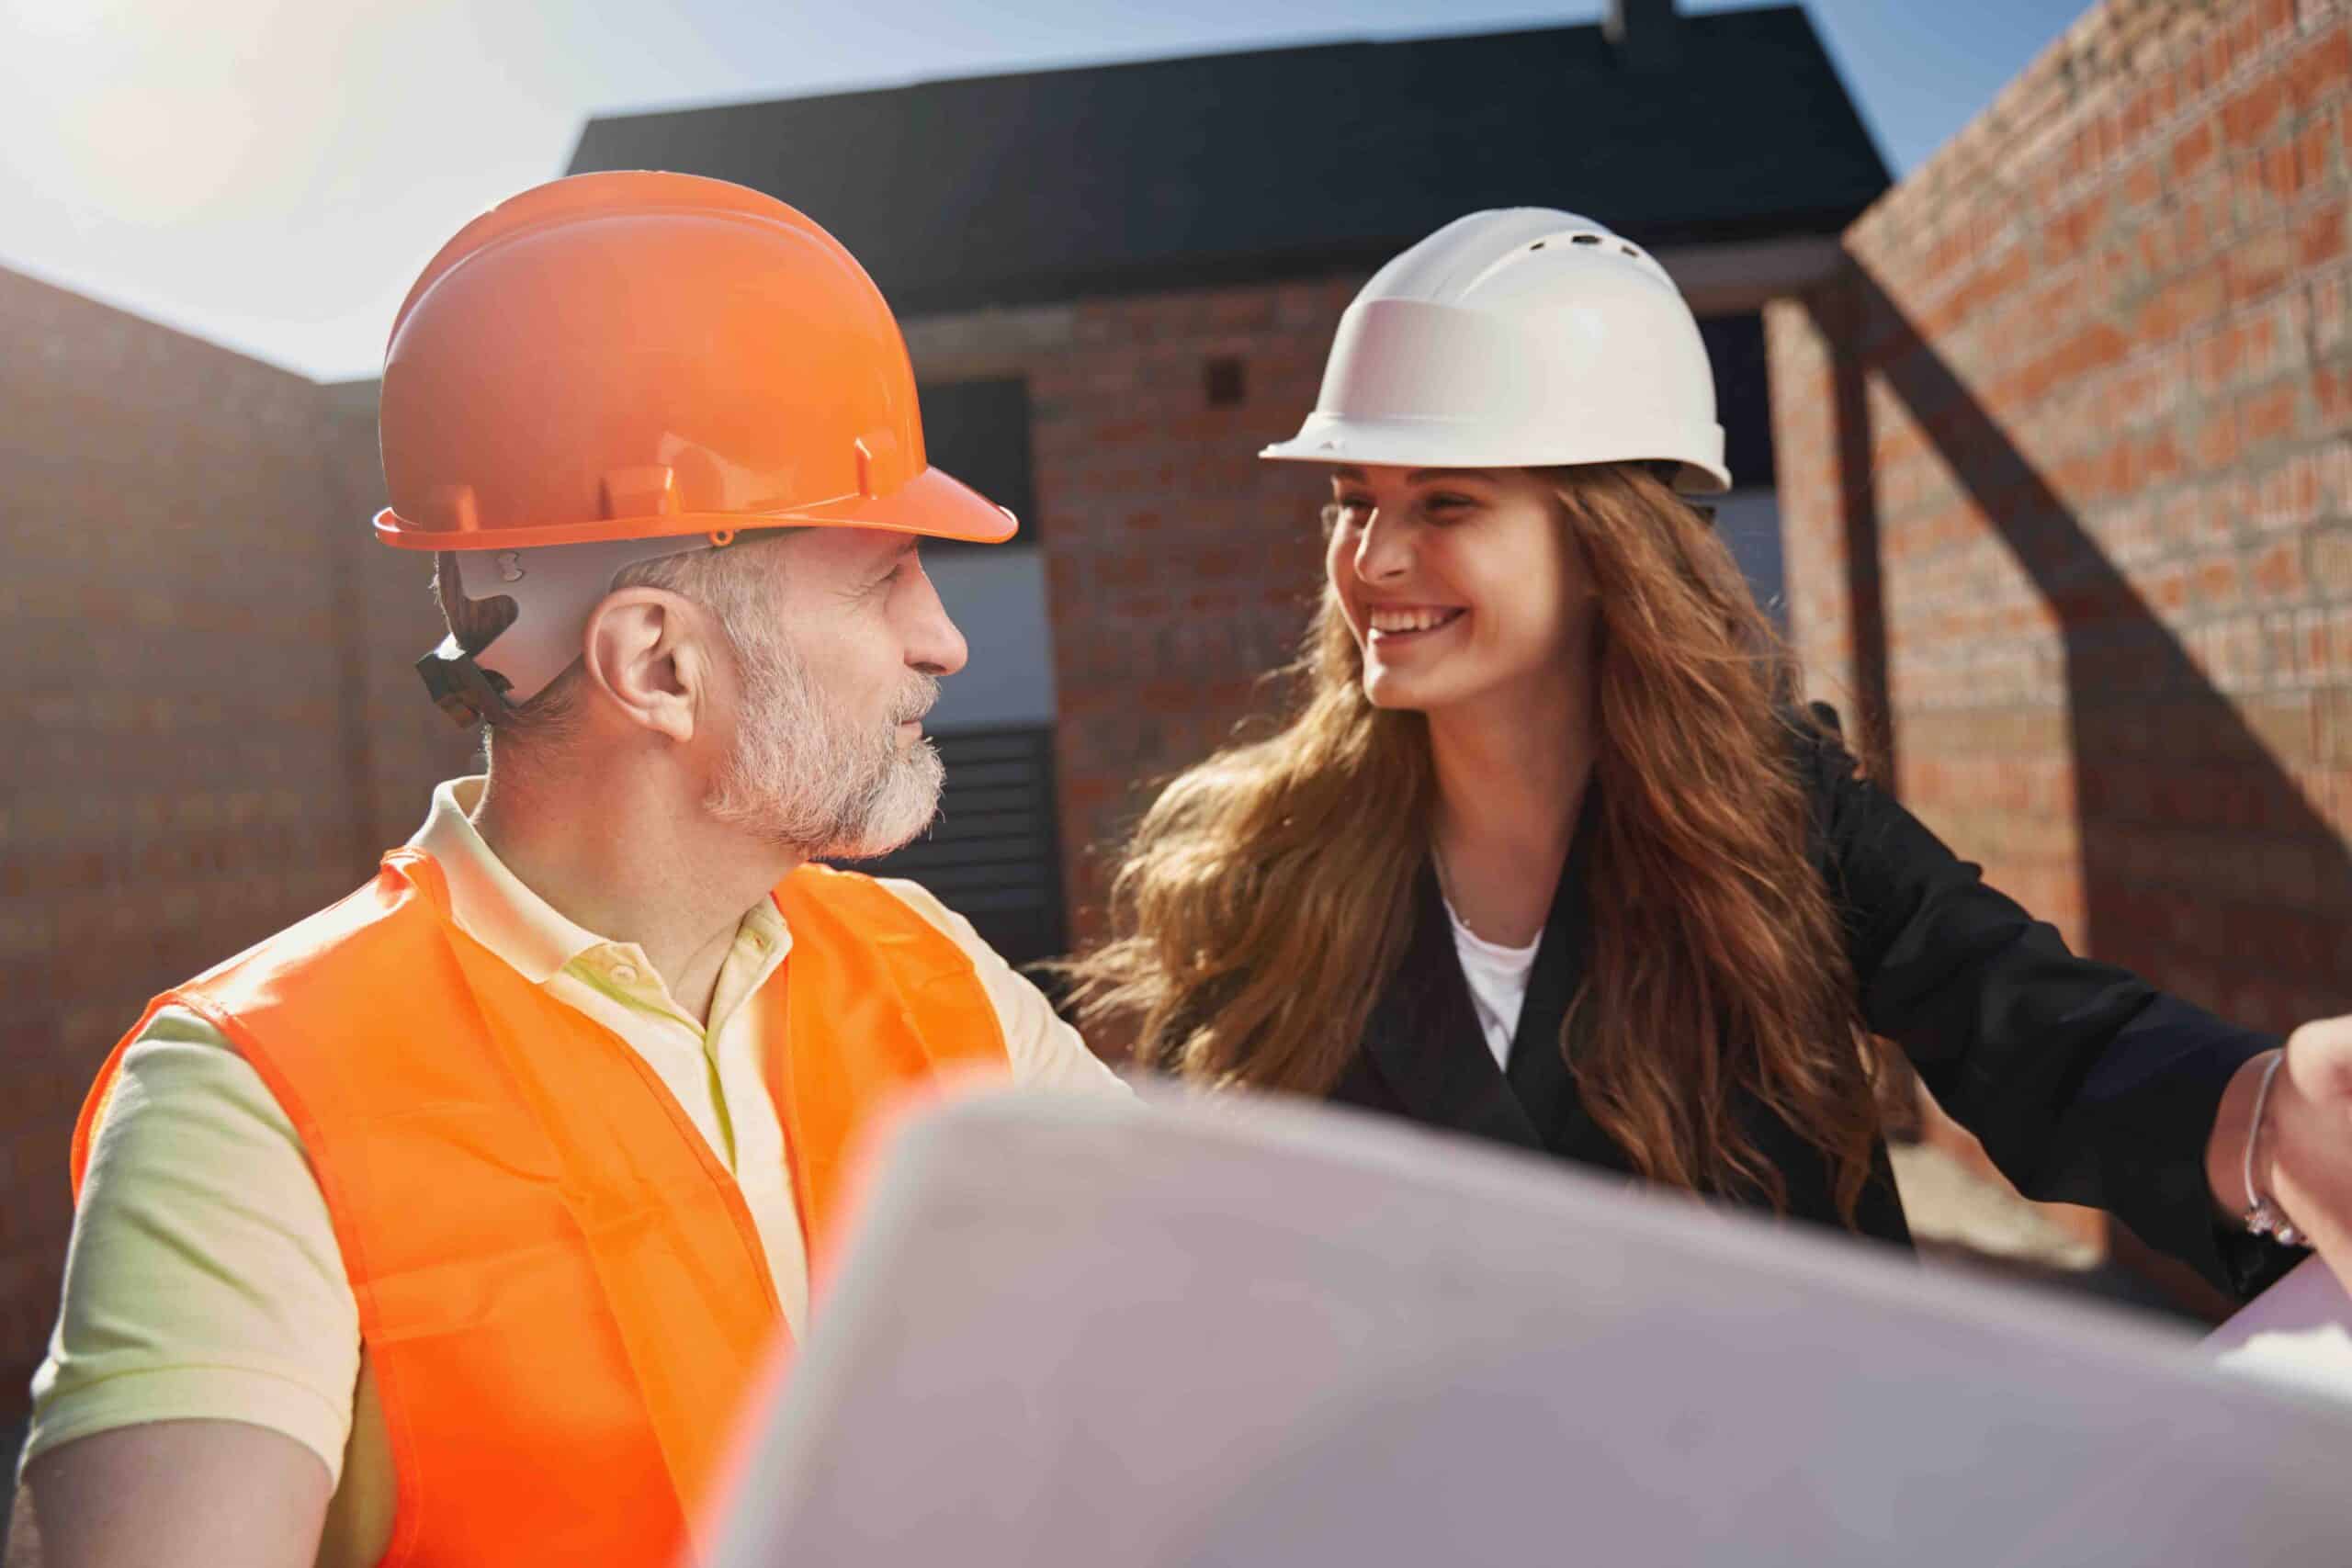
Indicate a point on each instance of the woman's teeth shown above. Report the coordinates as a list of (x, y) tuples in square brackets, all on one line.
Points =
[(1418, 620)]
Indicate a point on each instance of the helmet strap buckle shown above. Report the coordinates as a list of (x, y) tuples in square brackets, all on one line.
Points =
[(469, 693)]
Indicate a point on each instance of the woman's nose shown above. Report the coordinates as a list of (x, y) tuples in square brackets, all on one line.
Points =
[(1383, 552)]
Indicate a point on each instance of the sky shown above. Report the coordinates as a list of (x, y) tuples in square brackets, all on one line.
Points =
[(271, 174)]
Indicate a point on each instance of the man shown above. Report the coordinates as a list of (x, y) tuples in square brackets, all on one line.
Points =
[(451, 1224)]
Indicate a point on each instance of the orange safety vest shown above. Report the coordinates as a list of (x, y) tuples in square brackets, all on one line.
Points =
[(560, 1290)]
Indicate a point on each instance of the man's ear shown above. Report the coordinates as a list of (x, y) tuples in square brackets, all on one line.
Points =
[(649, 651)]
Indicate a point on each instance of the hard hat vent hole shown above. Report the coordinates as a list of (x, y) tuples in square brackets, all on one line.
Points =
[(1631, 251), (1585, 240), (1536, 246)]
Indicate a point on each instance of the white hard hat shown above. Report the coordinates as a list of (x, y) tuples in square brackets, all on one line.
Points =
[(1523, 337)]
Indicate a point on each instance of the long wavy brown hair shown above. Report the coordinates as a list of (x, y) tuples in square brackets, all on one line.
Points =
[(1266, 897)]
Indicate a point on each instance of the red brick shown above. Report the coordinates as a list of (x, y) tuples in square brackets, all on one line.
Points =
[(2277, 570), (2253, 113), (2331, 394), (2216, 359), (2070, 232), (2272, 19), (2217, 439), (2267, 415), (2278, 176), (2322, 70), (2315, 149), (2161, 460), (2319, 235), (2191, 301), (2218, 583), (2331, 564), (2259, 266), (2193, 150)]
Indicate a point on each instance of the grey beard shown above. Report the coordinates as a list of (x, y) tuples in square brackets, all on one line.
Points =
[(804, 778)]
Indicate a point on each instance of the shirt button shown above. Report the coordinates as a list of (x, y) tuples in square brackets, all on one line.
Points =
[(624, 973)]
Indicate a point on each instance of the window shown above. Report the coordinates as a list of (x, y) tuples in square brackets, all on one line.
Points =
[(978, 431), (1743, 396)]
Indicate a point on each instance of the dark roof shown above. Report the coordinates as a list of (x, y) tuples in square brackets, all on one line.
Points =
[(1226, 167)]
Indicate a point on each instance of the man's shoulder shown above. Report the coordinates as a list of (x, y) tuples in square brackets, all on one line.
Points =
[(1043, 1051), (179, 1064), (912, 896), (349, 937), (927, 904)]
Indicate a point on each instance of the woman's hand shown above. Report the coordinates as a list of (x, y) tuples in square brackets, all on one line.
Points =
[(2303, 1158)]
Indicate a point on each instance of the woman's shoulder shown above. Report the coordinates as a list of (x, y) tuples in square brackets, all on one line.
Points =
[(1816, 738)]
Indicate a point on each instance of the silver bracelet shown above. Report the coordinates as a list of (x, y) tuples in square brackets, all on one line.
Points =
[(2262, 1216)]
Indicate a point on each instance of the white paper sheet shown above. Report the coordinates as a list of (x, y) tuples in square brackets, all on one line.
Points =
[(1073, 1333), (2297, 1333)]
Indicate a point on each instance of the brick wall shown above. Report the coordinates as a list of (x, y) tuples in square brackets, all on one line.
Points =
[(2067, 491), (405, 744), (182, 574), (1179, 568)]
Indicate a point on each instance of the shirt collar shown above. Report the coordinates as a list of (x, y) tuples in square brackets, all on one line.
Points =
[(488, 902), (492, 906)]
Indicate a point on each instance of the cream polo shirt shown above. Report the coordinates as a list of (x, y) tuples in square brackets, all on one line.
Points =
[(203, 1279)]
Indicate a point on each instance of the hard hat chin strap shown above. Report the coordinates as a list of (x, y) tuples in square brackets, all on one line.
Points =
[(553, 589), (462, 689)]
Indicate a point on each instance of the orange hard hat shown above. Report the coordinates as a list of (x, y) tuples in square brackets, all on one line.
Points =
[(644, 356)]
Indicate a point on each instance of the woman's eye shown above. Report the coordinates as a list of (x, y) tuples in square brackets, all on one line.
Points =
[(1448, 507)]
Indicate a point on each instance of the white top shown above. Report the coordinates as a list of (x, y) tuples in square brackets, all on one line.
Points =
[(1498, 977)]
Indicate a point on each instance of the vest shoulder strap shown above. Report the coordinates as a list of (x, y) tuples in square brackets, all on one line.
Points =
[(877, 1009)]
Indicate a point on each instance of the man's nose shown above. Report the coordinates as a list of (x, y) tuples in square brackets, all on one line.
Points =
[(933, 645)]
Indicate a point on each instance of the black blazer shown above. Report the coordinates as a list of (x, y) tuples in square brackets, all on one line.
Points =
[(2085, 1084)]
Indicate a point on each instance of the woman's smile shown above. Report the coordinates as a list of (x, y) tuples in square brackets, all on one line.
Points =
[(1392, 626)]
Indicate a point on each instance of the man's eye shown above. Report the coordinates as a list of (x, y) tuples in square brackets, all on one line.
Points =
[(1352, 506)]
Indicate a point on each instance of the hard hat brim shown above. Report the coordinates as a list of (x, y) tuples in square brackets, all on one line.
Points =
[(1446, 444), (934, 504)]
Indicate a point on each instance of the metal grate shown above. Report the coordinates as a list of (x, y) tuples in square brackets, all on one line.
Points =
[(994, 853)]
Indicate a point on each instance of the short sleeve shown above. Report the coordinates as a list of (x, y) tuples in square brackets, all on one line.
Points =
[(1045, 1051), (203, 1281)]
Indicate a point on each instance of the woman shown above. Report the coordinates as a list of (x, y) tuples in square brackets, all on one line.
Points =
[(1549, 853)]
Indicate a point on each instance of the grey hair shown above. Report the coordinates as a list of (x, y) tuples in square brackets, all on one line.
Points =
[(725, 580)]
